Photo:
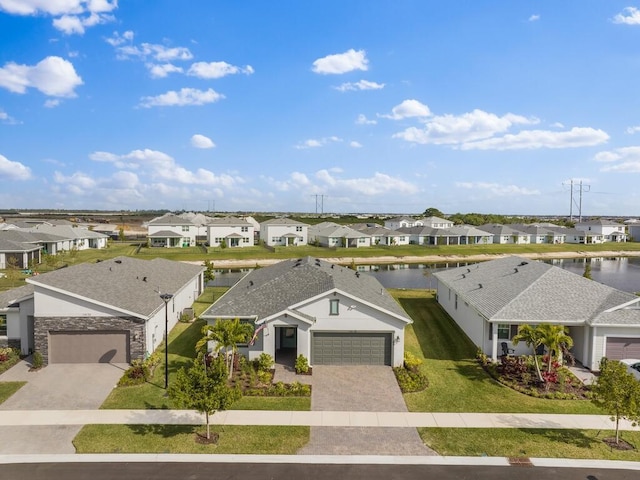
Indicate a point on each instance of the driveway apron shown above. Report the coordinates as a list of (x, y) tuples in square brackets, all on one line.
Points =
[(55, 387), (360, 389)]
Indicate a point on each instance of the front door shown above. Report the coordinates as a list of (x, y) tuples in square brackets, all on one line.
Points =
[(288, 337)]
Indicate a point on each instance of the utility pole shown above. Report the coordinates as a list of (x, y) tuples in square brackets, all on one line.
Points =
[(582, 188), (320, 202)]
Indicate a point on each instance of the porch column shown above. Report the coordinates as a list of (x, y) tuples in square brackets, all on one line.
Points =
[(494, 341)]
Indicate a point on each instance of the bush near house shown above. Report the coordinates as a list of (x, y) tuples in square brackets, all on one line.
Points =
[(409, 377), (255, 379), (140, 371), (8, 358)]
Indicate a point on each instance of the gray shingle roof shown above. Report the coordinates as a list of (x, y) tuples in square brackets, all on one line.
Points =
[(519, 290), (282, 221), (229, 221), (165, 234), (125, 283), (170, 219), (9, 297), (270, 290)]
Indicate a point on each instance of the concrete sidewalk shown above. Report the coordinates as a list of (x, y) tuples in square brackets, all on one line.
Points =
[(323, 419)]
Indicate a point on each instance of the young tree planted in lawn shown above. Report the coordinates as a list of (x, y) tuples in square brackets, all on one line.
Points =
[(532, 337), (203, 388), (618, 392), (227, 334)]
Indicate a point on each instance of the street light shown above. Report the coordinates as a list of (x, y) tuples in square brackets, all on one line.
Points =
[(166, 297)]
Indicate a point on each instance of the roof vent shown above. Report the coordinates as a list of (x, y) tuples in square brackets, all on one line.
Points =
[(515, 270), (468, 270), (479, 285), (144, 279), (522, 264), (358, 274), (464, 275), (118, 261), (332, 265), (251, 283)]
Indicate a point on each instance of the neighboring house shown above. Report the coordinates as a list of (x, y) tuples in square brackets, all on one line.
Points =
[(436, 222), (573, 235), (385, 236), (231, 232), (16, 319), (105, 312), (505, 234), (18, 249), (634, 232), (538, 234), (402, 222), (423, 235), (284, 232), (171, 231), (73, 237), (466, 235), (329, 234), (490, 300), (609, 230), (327, 313)]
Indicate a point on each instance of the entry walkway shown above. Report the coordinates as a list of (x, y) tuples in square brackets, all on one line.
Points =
[(318, 418)]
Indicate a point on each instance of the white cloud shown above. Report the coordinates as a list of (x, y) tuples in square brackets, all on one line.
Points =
[(116, 39), (13, 170), (70, 24), (626, 159), (145, 51), (316, 143), (159, 165), (379, 183), (200, 141), (408, 109), (628, 16), (341, 62), (162, 70), (632, 130), (355, 144), (534, 18), (53, 76), (186, 96), (557, 125), (52, 103), (363, 120), (451, 129), (497, 189), (7, 119), (212, 70), (531, 139), (361, 85)]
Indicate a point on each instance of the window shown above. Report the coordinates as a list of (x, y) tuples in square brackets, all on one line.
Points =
[(185, 228), (244, 229), (402, 239), (506, 331), (3, 325), (245, 240), (334, 305), (298, 229)]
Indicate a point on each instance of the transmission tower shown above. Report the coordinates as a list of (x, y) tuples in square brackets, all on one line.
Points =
[(319, 202), (581, 188)]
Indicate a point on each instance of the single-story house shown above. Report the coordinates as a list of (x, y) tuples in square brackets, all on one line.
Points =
[(328, 313), (18, 249), (107, 312), (490, 300), (284, 232), (505, 234), (330, 234), (16, 318)]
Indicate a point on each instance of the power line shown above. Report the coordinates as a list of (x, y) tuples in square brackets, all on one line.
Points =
[(319, 202)]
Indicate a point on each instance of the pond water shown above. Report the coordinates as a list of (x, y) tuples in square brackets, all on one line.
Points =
[(618, 272)]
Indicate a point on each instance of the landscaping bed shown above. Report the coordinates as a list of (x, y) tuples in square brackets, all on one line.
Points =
[(8, 358)]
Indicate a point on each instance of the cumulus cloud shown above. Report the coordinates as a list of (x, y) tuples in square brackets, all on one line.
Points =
[(145, 51), (53, 76), (200, 141), (455, 129), (632, 130), (532, 139), (341, 62), (361, 85), (7, 119), (355, 144), (408, 109), (316, 143), (534, 18), (13, 170), (162, 70), (497, 189), (377, 184), (363, 120), (71, 16), (628, 16), (212, 70), (181, 98), (52, 103), (625, 159)]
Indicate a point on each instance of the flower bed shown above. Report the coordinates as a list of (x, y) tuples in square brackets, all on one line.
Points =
[(8, 358)]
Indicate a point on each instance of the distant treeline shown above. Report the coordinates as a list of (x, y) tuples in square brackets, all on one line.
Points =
[(484, 218)]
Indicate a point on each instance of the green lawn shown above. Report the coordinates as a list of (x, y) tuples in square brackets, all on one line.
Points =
[(525, 442), (181, 439), (457, 383), (9, 388)]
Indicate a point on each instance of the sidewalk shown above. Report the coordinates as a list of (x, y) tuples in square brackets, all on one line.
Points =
[(317, 418)]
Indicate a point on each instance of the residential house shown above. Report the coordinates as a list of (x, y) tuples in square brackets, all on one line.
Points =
[(491, 300), (436, 222), (505, 234), (329, 234), (609, 230), (16, 319), (327, 313), (634, 232), (573, 235), (539, 234), (105, 312), (18, 249), (382, 235), (403, 222), (171, 231), (284, 232), (231, 232)]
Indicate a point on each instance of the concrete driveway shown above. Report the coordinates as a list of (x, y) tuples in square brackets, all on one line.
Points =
[(55, 387), (360, 389)]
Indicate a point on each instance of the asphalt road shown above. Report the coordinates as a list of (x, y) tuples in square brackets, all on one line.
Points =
[(249, 471)]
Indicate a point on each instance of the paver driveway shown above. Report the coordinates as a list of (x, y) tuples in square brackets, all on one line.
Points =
[(55, 387), (360, 389)]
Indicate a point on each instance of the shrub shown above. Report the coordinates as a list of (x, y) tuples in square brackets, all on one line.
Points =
[(37, 361), (411, 362), (482, 358), (302, 364), (264, 377), (410, 380), (136, 374), (185, 318), (265, 362)]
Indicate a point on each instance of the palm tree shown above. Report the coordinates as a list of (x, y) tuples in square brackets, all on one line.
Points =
[(555, 338), (226, 334), (533, 338)]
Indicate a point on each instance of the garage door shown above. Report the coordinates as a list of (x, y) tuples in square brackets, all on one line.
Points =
[(89, 347), (619, 348), (333, 348)]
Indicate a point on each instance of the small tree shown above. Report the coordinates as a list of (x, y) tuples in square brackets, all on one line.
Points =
[(531, 336), (433, 212), (556, 338), (203, 388), (226, 334), (587, 271), (617, 392), (121, 236), (208, 271)]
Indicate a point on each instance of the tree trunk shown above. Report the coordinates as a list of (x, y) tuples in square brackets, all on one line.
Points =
[(535, 360), (617, 430), (231, 365), (206, 415)]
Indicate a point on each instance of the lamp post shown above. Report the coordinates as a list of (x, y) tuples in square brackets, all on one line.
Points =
[(166, 297)]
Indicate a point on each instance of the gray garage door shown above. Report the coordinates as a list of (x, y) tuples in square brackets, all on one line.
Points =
[(619, 348), (89, 347), (333, 348)]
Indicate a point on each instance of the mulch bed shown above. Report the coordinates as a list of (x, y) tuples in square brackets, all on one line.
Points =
[(621, 445), (202, 439)]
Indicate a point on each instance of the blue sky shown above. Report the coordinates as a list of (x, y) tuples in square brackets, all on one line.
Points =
[(378, 106)]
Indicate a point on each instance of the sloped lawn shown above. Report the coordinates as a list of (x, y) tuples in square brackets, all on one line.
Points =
[(457, 383)]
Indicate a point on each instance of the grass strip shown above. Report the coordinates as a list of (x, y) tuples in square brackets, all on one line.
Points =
[(9, 388)]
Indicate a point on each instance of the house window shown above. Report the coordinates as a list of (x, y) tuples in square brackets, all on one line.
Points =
[(506, 331), (402, 239), (244, 229), (334, 305), (245, 240), (185, 228), (298, 229), (3, 325)]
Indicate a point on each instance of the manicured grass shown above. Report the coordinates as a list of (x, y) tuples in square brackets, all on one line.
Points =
[(457, 383), (525, 442), (180, 439), (9, 388)]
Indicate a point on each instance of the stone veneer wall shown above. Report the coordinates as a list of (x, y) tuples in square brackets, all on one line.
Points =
[(43, 325)]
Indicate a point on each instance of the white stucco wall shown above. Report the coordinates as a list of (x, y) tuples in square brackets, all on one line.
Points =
[(222, 231), (270, 231)]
